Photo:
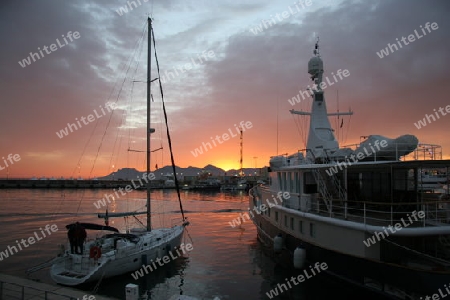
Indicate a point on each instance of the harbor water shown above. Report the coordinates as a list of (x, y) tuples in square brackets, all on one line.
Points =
[(225, 262)]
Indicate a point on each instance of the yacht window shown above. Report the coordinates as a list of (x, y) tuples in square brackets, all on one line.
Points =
[(312, 230), (310, 185), (318, 96)]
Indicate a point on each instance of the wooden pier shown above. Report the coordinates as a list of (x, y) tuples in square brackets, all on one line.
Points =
[(16, 288)]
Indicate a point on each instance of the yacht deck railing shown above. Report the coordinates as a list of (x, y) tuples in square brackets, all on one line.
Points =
[(426, 213), (435, 210)]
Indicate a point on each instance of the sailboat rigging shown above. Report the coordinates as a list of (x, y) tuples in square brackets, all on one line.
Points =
[(119, 253)]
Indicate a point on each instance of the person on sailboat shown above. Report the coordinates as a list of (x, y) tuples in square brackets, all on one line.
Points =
[(71, 236), (77, 236)]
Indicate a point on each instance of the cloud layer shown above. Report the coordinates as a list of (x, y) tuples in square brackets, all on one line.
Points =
[(251, 77)]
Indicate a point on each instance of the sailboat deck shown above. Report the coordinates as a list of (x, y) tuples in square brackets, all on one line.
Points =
[(71, 274)]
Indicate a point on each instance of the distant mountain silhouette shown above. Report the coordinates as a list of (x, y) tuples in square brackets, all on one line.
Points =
[(131, 173)]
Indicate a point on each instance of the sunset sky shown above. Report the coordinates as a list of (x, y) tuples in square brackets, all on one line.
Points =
[(235, 74)]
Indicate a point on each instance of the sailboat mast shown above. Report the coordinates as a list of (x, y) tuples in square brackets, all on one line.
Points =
[(149, 220)]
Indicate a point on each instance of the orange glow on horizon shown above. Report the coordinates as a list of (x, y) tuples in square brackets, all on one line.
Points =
[(225, 158)]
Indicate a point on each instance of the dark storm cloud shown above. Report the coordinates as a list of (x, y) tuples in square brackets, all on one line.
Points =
[(259, 69), (62, 85)]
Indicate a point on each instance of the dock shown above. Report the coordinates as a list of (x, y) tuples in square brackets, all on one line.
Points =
[(113, 184), (12, 288), (63, 184)]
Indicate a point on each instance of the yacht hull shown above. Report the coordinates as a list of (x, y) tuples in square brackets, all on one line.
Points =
[(389, 279)]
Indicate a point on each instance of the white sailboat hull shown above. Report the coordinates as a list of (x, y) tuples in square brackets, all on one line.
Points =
[(124, 257)]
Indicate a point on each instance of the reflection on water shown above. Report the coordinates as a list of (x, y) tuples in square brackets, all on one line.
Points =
[(226, 262)]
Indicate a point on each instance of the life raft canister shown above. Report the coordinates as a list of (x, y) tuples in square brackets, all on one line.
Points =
[(95, 252)]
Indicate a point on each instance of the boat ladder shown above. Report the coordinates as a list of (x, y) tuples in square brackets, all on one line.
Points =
[(322, 185), (324, 188)]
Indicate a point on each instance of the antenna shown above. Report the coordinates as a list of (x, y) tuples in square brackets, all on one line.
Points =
[(339, 117), (242, 146), (316, 49), (277, 124)]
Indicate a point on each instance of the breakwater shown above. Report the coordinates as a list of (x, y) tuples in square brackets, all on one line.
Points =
[(66, 184)]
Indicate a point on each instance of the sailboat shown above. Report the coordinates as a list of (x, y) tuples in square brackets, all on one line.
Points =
[(118, 253)]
